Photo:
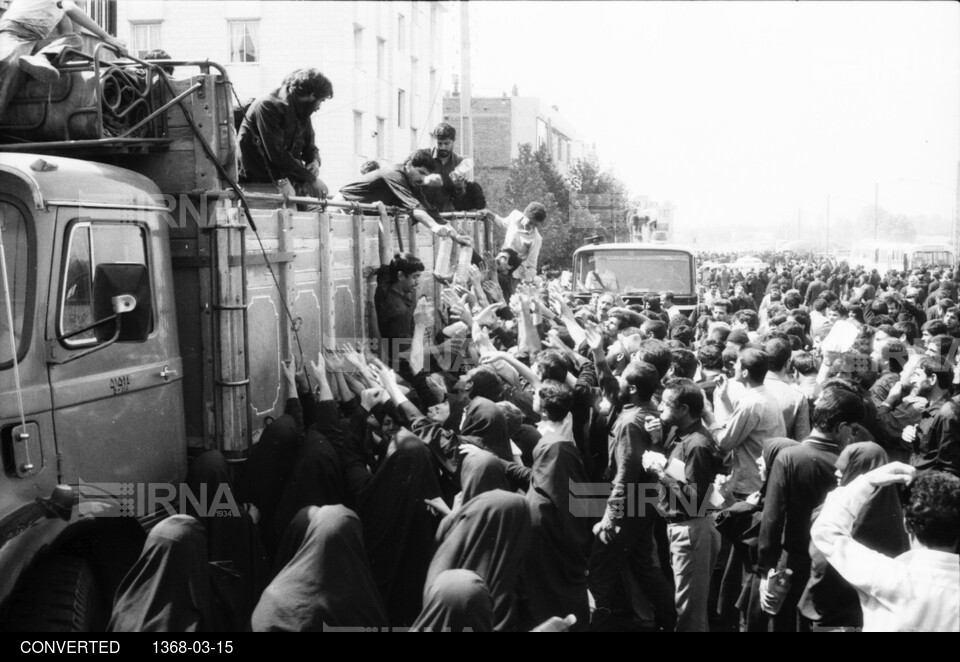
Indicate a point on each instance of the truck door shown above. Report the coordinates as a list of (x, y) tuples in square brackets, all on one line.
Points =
[(118, 408), (27, 451)]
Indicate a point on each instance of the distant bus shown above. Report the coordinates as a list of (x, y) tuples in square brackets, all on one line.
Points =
[(636, 270), (932, 255), (884, 256)]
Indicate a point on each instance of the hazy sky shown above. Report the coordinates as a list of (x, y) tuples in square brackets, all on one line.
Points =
[(745, 112)]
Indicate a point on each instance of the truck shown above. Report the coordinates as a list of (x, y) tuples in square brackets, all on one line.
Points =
[(145, 309), (636, 270)]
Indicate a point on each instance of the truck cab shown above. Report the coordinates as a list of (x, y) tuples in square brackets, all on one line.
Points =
[(634, 271), (145, 313)]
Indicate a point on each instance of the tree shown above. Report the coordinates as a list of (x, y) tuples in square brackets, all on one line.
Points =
[(887, 226), (556, 183), (600, 200)]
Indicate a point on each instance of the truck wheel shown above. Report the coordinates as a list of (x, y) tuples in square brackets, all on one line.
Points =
[(59, 594)]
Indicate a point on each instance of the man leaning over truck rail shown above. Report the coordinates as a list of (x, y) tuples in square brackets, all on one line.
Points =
[(276, 143), (399, 186), (33, 34), (523, 236)]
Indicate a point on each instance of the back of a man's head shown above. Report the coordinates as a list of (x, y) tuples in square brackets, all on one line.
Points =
[(779, 351), (656, 353), (556, 399), (654, 329), (684, 363), (536, 212), (485, 383), (834, 407), (756, 362), (932, 509), (642, 376)]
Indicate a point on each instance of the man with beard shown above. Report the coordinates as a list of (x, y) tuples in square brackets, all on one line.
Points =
[(443, 188)]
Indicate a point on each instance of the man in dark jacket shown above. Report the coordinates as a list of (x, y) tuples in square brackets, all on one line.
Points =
[(799, 481), (276, 141)]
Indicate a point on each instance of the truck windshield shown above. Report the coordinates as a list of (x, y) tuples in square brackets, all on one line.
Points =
[(15, 250), (932, 258), (635, 271)]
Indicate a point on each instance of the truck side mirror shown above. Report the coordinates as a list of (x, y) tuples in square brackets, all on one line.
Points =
[(122, 291)]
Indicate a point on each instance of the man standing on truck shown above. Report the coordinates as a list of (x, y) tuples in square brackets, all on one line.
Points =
[(33, 34), (447, 184), (276, 142)]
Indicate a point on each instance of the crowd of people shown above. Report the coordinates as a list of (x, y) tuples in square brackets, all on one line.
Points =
[(784, 458)]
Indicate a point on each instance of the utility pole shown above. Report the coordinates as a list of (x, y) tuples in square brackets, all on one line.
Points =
[(828, 222), (466, 102), (876, 209)]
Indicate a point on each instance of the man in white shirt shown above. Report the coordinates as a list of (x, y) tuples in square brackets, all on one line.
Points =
[(756, 417), (919, 591), (523, 236), (793, 404)]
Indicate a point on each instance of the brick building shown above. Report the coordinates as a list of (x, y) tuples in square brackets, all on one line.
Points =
[(385, 59), (502, 124)]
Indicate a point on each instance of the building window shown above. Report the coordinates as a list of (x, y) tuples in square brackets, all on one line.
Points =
[(381, 136), (358, 47), (401, 108), (433, 22), (357, 132), (144, 37), (401, 33), (103, 12), (432, 92), (244, 41), (414, 139), (414, 97), (382, 58), (541, 132)]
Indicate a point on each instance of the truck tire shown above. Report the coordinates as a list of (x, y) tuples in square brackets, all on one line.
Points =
[(59, 594)]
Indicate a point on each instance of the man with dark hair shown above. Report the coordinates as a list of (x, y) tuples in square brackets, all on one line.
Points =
[(276, 143), (902, 409), (399, 186), (683, 364), (935, 439), (918, 591), (159, 54), (798, 482), (396, 312), (682, 333), (554, 400), (447, 181), (626, 535), (907, 332), (654, 329), (684, 501), (793, 404), (523, 235), (755, 418), (507, 262)]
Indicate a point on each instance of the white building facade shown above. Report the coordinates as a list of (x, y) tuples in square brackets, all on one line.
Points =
[(385, 59)]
